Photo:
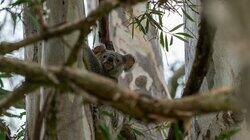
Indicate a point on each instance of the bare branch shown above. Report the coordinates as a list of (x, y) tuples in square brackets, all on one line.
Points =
[(140, 106), (76, 50), (16, 95), (173, 81)]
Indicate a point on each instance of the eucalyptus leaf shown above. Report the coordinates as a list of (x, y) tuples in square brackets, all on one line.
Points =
[(181, 38), (138, 132), (161, 39), (171, 41), (187, 15), (185, 34), (166, 43), (153, 22), (14, 20), (177, 27), (19, 2), (147, 26)]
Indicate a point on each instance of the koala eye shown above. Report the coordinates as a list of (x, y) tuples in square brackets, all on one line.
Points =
[(104, 56), (117, 60)]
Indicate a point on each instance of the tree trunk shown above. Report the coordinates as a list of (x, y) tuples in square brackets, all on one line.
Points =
[(223, 71), (64, 115), (32, 54), (147, 74)]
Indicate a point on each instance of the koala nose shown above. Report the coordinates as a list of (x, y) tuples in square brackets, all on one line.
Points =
[(110, 59)]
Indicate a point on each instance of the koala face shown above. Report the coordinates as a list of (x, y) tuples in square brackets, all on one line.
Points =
[(112, 62)]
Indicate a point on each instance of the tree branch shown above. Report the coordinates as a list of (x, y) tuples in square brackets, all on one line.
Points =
[(76, 50), (173, 81), (200, 66), (16, 95), (140, 106), (84, 24), (203, 53)]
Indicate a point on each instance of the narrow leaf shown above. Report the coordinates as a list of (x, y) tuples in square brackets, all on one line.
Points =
[(138, 132), (157, 12), (141, 28), (161, 39), (185, 34), (147, 26), (160, 20), (151, 19), (14, 20), (176, 27), (181, 38), (19, 2), (1, 83), (187, 15), (171, 41), (166, 43)]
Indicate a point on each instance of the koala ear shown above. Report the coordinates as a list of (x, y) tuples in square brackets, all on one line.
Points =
[(100, 48), (129, 61)]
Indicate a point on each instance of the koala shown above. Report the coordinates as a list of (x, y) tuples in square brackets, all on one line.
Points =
[(107, 62), (113, 63)]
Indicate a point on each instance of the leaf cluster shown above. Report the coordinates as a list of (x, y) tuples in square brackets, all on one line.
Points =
[(153, 16)]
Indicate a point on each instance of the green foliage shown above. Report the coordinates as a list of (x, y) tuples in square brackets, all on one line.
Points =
[(137, 132), (2, 135), (153, 17), (105, 131), (3, 92), (226, 135), (20, 133), (178, 135), (187, 15), (15, 11), (4, 130), (19, 2), (33, 20)]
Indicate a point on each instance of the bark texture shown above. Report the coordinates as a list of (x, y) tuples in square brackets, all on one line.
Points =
[(32, 54), (147, 74), (66, 117), (67, 113), (224, 70)]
